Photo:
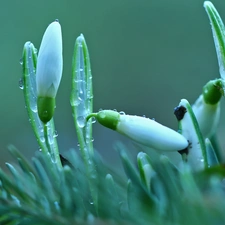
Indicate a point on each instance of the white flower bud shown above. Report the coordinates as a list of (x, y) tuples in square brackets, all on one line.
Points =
[(150, 133), (49, 71), (143, 130), (207, 116), (50, 62), (207, 107)]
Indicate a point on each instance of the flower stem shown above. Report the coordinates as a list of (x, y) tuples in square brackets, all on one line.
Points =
[(52, 149)]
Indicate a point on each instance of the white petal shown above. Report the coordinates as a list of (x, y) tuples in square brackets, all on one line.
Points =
[(191, 131), (150, 133), (50, 62), (207, 116)]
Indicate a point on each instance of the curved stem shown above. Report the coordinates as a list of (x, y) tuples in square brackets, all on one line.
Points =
[(91, 115)]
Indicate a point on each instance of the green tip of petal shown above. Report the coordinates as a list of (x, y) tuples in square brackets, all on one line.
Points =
[(213, 91), (108, 118), (46, 108)]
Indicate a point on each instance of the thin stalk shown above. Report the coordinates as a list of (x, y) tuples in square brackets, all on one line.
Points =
[(50, 146)]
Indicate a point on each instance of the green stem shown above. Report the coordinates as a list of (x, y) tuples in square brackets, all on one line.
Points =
[(54, 154), (90, 116), (46, 137)]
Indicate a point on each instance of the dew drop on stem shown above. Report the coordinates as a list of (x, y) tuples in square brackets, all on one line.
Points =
[(81, 121), (21, 61), (21, 83), (55, 134), (93, 120)]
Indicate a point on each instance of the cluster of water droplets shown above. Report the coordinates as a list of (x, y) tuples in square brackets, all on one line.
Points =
[(78, 97), (29, 79), (81, 97)]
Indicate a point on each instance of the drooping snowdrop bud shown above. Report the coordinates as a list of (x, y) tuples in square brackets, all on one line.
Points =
[(142, 130), (207, 107), (195, 154), (49, 71)]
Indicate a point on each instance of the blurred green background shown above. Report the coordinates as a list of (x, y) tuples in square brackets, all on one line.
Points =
[(146, 55)]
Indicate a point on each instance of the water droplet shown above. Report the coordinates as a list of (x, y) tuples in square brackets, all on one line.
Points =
[(45, 113), (21, 83), (42, 139), (53, 159), (75, 102), (153, 119), (50, 139), (89, 140), (115, 110), (144, 116), (40, 149), (93, 120), (55, 134), (41, 128), (81, 121), (201, 159), (21, 61), (100, 110), (89, 95), (122, 113), (102, 115), (34, 108)]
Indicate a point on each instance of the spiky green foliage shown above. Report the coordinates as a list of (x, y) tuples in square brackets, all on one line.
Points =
[(38, 192)]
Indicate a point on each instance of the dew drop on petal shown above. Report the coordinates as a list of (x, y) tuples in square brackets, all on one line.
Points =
[(122, 113), (102, 115)]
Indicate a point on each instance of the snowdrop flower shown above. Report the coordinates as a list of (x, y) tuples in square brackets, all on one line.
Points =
[(142, 130), (207, 107), (49, 70)]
